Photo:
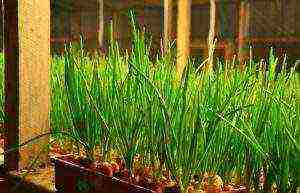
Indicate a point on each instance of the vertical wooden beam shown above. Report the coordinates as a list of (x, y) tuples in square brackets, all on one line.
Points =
[(229, 49), (183, 35), (11, 108), (54, 27), (168, 12), (115, 21), (244, 32), (68, 22), (1, 24), (100, 23), (228, 21), (141, 14), (34, 30), (81, 21), (212, 33)]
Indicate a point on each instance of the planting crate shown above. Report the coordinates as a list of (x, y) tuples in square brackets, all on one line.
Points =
[(226, 189), (73, 178), (236, 189)]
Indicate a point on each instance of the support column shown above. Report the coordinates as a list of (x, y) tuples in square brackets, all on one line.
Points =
[(101, 23), (27, 79), (244, 32), (115, 21), (212, 34), (229, 49), (11, 107), (168, 12), (183, 35), (227, 18), (68, 23)]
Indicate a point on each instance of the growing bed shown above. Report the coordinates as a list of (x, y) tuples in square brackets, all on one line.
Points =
[(131, 125)]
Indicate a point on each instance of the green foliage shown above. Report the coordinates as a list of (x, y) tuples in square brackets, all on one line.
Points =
[(229, 122), (207, 122)]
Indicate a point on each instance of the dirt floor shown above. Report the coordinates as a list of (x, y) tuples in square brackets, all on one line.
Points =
[(41, 181)]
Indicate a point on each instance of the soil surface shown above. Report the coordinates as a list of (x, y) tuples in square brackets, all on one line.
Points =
[(41, 181)]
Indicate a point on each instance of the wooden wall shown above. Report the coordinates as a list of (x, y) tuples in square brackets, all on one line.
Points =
[(277, 24), (268, 20), (1, 28), (154, 21), (274, 18), (200, 21)]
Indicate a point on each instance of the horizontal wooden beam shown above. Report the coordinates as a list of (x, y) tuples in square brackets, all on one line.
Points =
[(282, 40), (202, 42)]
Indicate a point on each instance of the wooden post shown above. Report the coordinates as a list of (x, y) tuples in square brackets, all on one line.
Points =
[(212, 34), (115, 21), (244, 32), (27, 79), (168, 12), (11, 107), (101, 23), (183, 35), (67, 17), (229, 49), (227, 20), (55, 26)]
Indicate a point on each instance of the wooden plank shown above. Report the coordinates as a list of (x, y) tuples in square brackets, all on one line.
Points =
[(228, 18), (212, 33), (67, 21), (183, 35), (201, 43), (276, 40), (244, 32), (11, 108), (100, 23), (115, 23), (34, 77), (168, 7), (229, 49)]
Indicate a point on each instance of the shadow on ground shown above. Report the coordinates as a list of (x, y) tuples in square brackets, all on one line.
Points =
[(11, 184)]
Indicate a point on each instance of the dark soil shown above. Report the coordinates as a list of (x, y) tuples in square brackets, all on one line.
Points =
[(40, 182)]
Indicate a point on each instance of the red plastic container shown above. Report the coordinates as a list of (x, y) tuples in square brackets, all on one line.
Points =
[(74, 178), (3, 185), (239, 189), (212, 189), (234, 189)]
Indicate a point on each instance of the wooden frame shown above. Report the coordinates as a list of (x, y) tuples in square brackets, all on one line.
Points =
[(183, 35), (27, 67), (11, 53)]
